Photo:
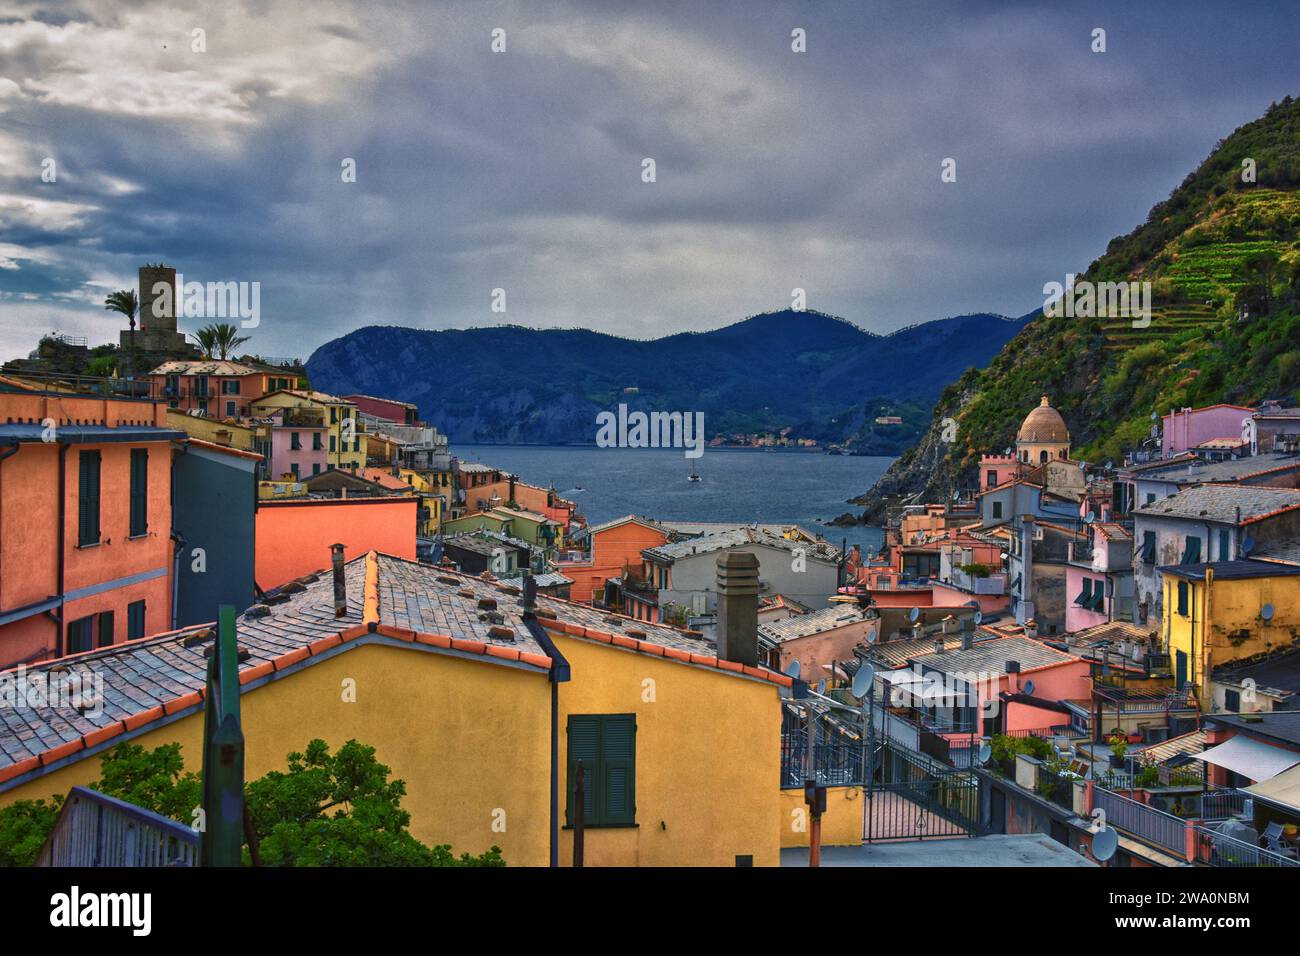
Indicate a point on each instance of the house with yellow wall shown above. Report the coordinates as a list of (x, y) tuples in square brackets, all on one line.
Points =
[(434, 489), (482, 702), (346, 435), (1224, 611)]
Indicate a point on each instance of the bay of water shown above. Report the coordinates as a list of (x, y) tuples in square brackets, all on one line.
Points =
[(736, 485)]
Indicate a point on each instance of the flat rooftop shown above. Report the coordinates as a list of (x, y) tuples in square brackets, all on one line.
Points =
[(1024, 849)]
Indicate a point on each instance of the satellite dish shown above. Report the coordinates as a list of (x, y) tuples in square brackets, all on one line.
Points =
[(979, 617), (986, 752), (1104, 844), (1266, 612), (792, 669), (821, 686), (974, 604), (1092, 516), (862, 680), (1029, 687), (914, 614)]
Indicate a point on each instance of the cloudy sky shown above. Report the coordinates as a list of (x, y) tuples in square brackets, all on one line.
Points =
[(522, 170)]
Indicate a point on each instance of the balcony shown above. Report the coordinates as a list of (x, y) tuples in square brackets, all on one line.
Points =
[(98, 830)]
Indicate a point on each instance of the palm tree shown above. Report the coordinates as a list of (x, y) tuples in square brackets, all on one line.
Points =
[(125, 301), (221, 338)]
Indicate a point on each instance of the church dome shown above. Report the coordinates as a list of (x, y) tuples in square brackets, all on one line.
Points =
[(1044, 425)]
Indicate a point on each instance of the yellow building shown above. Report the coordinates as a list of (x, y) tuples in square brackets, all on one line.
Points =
[(1224, 611), (242, 435), (346, 433), (483, 717), (434, 489)]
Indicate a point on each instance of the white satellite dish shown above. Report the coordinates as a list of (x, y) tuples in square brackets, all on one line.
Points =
[(862, 680), (986, 752), (821, 686), (914, 614), (1247, 544), (1104, 844), (979, 617), (792, 669)]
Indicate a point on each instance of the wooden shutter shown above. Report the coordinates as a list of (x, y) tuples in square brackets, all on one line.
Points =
[(618, 776), (88, 498), (139, 491), (584, 745)]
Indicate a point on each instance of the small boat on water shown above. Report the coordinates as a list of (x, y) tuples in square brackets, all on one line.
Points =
[(694, 475)]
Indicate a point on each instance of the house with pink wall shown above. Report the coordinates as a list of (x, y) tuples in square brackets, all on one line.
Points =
[(818, 640), (1099, 577), (299, 443), (988, 675), (998, 469), (1185, 428)]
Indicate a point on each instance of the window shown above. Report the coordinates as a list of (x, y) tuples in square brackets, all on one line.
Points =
[(991, 479), (88, 499), (105, 628), (295, 443), (201, 386), (135, 620), (334, 415), (316, 442), (1225, 546), (333, 441), (230, 409), (1148, 553), (315, 468), (1151, 498), (1232, 701), (1085, 596), (606, 745), (139, 492), (230, 386), (294, 468), (1192, 553), (203, 406), (81, 635), (997, 509), (1182, 598)]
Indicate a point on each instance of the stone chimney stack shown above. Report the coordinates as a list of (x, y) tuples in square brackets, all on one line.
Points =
[(737, 628), (340, 585)]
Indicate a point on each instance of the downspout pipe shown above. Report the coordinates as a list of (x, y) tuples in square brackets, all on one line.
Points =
[(560, 673), (63, 542)]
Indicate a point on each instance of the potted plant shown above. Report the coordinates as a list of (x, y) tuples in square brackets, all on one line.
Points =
[(1118, 747)]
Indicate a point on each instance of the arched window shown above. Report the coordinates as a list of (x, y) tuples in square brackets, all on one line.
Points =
[(1042, 456)]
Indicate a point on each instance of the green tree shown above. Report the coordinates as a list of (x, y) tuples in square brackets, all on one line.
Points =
[(219, 340)]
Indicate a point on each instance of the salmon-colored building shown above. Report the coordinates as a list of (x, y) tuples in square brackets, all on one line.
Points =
[(216, 388), (294, 535), (86, 557), (614, 546)]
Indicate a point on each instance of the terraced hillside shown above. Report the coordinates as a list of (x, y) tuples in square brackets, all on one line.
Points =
[(1223, 259)]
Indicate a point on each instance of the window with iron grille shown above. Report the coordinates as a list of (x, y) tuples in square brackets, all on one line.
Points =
[(88, 499), (606, 745), (139, 491)]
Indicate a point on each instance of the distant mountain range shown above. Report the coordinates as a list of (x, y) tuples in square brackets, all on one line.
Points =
[(819, 374)]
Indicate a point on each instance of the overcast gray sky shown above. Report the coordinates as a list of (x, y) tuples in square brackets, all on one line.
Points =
[(522, 170)]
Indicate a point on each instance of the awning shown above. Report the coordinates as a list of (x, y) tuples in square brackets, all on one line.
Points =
[(1283, 790), (1250, 758)]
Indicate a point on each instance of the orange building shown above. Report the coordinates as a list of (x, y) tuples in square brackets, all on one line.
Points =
[(492, 489), (294, 535), (86, 557), (614, 546)]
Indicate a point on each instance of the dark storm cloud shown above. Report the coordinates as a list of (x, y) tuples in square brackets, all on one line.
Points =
[(522, 170)]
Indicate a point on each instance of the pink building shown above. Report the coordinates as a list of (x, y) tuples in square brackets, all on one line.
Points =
[(1186, 428), (997, 469), (390, 410), (299, 443)]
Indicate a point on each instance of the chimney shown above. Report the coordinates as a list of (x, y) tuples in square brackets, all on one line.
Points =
[(340, 586), (737, 629), (1013, 676), (967, 633), (938, 644)]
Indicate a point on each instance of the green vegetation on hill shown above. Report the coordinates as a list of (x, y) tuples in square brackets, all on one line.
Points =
[(1223, 259)]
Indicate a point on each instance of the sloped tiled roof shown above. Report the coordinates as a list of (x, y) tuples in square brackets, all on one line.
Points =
[(992, 656), (390, 600), (206, 367), (818, 622), (1192, 743), (738, 537), (1223, 503)]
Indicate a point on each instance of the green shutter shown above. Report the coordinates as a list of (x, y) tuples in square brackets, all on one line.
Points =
[(1193, 553), (139, 491), (88, 498), (619, 769), (584, 745)]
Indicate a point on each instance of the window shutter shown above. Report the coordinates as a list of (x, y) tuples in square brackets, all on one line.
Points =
[(139, 491), (619, 769), (88, 498), (584, 745)]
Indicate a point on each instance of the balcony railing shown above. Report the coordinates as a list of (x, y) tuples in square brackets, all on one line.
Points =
[(94, 829), (1147, 823), (1220, 849)]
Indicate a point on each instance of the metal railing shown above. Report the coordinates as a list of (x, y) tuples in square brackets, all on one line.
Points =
[(1221, 850), (94, 829), (1147, 823), (1223, 804)]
